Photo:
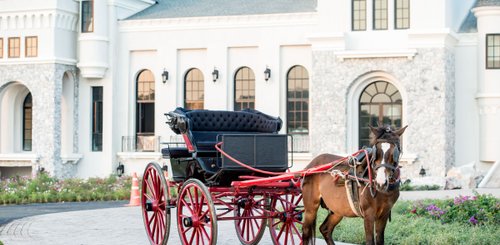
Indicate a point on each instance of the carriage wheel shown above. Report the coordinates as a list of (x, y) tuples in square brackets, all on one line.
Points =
[(154, 201), (288, 214), (196, 217), (250, 229)]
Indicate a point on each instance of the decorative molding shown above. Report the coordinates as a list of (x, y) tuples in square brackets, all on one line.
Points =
[(18, 159), (51, 18), (30, 61), (71, 158), (92, 70), (217, 22), (486, 11), (363, 54), (488, 96)]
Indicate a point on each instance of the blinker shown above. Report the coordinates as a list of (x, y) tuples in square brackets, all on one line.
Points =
[(395, 154)]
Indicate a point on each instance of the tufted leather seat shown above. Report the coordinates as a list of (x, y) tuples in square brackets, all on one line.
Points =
[(205, 128)]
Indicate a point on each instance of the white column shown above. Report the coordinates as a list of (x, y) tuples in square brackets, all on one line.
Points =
[(488, 96)]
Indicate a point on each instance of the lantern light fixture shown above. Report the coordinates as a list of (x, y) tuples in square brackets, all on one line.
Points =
[(267, 73), (164, 76)]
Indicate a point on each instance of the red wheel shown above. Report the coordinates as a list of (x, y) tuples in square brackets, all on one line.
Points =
[(287, 215), (252, 225), (196, 217), (154, 200)]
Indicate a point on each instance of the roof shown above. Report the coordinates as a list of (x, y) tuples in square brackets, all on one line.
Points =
[(482, 3), (469, 24), (205, 8)]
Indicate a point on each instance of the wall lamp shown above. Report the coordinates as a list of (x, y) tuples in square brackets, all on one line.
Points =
[(164, 76), (422, 172), (215, 74), (120, 169), (267, 74)]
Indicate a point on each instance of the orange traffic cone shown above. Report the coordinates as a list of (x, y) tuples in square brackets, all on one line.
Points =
[(135, 198)]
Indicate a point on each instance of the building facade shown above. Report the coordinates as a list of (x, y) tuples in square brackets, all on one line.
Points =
[(90, 82)]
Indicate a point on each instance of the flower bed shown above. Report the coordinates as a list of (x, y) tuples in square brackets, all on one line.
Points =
[(22, 190)]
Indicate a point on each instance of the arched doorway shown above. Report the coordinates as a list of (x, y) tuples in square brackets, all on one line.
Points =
[(16, 114), (380, 102)]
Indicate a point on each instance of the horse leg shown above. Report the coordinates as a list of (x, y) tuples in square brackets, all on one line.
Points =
[(311, 199), (369, 223), (328, 226), (380, 229)]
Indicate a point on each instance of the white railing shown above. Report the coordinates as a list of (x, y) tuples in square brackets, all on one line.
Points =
[(141, 143), (298, 143)]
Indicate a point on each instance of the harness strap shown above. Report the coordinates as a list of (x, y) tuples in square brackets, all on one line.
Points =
[(352, 192)]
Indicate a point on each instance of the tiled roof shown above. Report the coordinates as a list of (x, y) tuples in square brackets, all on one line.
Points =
[(201, 8), (481, 3)]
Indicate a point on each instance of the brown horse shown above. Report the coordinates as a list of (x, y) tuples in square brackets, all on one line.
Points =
[(377, 194)]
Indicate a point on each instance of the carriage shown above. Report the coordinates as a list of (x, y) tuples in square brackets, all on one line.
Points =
[(224, 171), (233, 166)]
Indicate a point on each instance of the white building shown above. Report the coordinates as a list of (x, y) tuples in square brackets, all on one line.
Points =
[(82, 86)]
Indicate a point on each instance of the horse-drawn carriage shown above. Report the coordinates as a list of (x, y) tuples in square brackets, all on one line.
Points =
[(231, 167)]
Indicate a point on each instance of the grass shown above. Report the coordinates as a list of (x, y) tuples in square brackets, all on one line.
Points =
[(43, 189), (410, 228)]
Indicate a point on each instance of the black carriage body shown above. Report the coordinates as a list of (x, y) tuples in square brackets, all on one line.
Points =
[(249, 136)]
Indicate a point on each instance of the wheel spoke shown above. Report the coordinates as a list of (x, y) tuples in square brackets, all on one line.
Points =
[(205, 233), (187, 206), (149, 197), (296, 230), (193, 234), (149, 184), (281, 231), (201, 205)]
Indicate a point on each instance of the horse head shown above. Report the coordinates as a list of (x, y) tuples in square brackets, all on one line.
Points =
[(386, 150)]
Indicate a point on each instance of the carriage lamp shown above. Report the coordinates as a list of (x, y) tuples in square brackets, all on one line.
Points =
[(422, 171), (120, 169), (267, 74), (164, 76), (215, 74)]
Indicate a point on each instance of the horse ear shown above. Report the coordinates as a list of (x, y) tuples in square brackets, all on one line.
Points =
[(374, 130), (401, 130)]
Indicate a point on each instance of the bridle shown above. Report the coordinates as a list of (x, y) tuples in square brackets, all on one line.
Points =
[(393, 178)]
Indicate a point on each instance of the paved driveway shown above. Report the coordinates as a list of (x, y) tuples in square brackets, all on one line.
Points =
[(103, 226)]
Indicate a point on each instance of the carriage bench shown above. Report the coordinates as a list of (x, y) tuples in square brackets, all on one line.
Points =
[(248, 135)]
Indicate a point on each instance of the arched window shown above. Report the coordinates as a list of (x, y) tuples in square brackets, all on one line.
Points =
[(194, 91), (298, 100), (27, 123), (380, 102), (244, 89), (145, 118)]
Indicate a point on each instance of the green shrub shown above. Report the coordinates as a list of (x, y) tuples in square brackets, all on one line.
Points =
[(407, 186), (431, 222), (43, 189)]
